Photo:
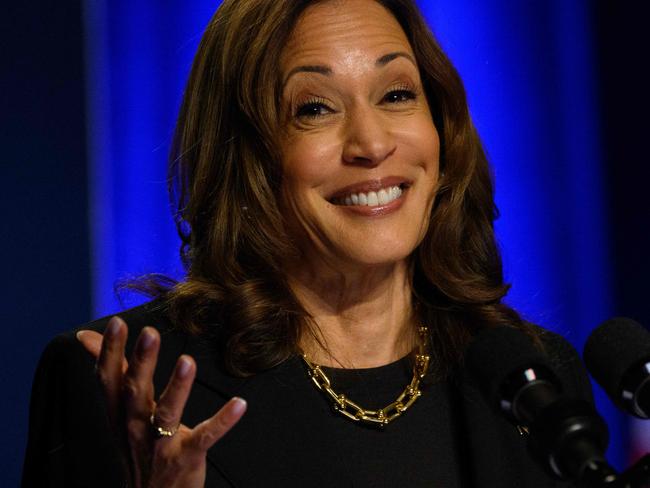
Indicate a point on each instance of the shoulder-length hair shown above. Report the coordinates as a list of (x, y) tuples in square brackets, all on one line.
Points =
[(225, 176)]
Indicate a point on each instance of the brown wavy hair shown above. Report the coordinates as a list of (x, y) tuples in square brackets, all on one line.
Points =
[(225, 176)]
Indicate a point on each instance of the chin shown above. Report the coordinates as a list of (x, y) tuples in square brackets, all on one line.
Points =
[(378, 254)]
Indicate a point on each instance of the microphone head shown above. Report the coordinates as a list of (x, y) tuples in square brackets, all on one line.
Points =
[(566, 434), (497, 354), (615, 354)]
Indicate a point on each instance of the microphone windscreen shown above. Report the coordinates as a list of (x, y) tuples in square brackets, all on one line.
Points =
[(612, 349), (496, 354)]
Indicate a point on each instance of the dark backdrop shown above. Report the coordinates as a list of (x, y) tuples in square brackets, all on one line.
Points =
[(43, 202), (45, 245), (625, 99)]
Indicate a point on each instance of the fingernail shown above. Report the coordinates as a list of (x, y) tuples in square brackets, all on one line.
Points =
[(239, 405), (79, 335), (184, 366), (113, 326), (146, 341)]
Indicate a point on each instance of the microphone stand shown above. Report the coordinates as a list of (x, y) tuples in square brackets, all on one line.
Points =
[(598, 475)]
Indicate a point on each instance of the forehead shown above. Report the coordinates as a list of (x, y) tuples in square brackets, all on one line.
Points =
[(343, 31)]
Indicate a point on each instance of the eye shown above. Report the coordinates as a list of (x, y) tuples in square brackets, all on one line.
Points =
[(312, 109), (399, 96)]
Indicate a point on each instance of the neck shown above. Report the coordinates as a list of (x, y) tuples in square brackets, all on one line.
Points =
[(360, 318)]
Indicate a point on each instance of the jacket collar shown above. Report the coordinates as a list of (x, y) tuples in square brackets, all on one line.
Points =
[(209, 372)]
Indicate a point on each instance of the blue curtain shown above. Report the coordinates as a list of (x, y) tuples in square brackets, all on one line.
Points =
[(529, 70), (530, 74), (139, 55)]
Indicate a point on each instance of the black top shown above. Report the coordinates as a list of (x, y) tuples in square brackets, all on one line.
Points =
[(289, 435), (416, 449)]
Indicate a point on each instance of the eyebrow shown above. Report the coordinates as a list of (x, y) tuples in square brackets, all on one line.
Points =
[(327, 71), (387, 58)]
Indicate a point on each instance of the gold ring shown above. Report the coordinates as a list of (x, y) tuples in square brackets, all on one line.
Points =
[(158, 431)]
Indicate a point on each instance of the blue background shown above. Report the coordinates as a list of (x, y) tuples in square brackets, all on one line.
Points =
[(92, 91)]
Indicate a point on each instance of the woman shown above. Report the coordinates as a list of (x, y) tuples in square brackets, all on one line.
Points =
[(336, 212)]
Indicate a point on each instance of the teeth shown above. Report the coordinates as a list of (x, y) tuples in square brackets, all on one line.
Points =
[(371, 199)]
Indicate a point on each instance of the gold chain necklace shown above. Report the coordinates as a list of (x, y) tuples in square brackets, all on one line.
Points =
[(390, 412)]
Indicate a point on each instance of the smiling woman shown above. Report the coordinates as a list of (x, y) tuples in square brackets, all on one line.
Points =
[(360, 158), (336, 211), (361, 126)]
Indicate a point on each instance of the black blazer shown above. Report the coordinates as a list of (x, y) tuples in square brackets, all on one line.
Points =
[(69, 444)]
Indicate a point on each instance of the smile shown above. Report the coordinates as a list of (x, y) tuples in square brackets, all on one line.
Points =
[(370, 199)]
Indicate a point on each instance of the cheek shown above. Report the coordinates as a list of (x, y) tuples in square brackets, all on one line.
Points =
[(308, 162), (425, 136), (421, 146), (428, 145)]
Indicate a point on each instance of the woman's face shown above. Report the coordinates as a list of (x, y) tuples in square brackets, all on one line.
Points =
[(359, 147)]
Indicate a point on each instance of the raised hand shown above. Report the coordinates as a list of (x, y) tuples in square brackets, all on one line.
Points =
[(158, 450)]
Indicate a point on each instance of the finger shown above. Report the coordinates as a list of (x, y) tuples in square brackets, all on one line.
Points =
[(109, 363), (138, 382), (172, 402), (92, 342), (204, 435)]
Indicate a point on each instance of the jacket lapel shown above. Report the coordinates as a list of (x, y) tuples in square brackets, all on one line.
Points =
[(262, 447), (213, 387)]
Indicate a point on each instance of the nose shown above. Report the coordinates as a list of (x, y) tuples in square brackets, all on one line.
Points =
[(368, 140)]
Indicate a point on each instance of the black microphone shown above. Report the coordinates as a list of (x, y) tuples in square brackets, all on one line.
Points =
[(567, 434), (617, 355)]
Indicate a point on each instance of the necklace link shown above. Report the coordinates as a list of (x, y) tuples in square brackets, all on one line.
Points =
[(383, 416)]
